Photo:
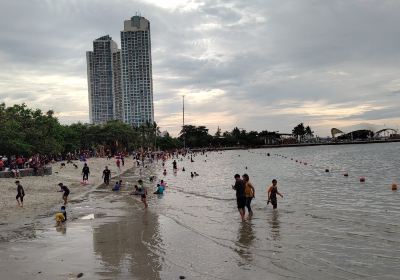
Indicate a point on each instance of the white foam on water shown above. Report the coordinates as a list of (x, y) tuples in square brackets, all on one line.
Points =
[(88, 217)]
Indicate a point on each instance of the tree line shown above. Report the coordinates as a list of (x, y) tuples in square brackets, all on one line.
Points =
[(25, 131)]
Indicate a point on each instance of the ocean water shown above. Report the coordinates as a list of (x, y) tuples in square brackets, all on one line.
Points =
[(327, 226)]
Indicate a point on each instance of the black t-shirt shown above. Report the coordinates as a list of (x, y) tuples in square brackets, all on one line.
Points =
[(106, 173), (20, 190), (239, 187), (85, 170), (65, 189)]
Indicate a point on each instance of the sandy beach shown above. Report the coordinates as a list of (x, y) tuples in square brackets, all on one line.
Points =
[(41, 193)]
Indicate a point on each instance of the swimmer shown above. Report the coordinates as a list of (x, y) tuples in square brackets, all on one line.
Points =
[(272, 192), (165, 172), (191, 174), (183, 169)]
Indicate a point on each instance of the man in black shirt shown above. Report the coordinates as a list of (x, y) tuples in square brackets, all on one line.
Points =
[(20, 194), (240, 197), (106, 176), (85, 172)]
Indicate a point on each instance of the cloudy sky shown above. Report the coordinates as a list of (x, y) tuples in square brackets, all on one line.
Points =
[(255, 64)]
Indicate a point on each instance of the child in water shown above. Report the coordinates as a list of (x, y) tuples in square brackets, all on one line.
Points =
[(61, 216), (160, 189), (272, 192)]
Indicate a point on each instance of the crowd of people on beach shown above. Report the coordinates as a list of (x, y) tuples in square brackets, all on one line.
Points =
[(15, 164)]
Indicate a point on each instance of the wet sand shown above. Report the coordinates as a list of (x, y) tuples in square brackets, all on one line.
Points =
[(103, 227), (42, 197)]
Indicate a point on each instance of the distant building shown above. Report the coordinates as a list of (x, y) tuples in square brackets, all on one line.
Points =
[(137, 80), (104, 81)]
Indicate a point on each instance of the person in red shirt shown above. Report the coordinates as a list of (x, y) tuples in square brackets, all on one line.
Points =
[(20, 162), (118, 162)]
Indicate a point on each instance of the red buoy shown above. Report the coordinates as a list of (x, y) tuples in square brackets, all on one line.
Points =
[(394, 187), (346, 174), (362, 179)]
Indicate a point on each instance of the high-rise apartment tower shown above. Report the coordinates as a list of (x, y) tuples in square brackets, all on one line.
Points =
[(104, 81), (137, 80)]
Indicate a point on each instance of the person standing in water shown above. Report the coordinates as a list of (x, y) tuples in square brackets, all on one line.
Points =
[(174, 164), (20, 194), (272, 192), (249, 193), (85, 172), (106, 175), (240, 197)]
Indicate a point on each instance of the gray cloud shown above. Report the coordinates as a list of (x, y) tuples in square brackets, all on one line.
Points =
[(253, 64)]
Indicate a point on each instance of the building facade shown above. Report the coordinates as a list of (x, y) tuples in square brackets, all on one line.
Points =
[(137, 80), (104, 81)]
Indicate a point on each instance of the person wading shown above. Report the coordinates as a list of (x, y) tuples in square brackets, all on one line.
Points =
[(240, 197), (249, 193)]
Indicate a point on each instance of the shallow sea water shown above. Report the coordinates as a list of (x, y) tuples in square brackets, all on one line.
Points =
[(327, 226)]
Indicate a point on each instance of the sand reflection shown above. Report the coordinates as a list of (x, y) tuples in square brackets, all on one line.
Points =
[(245, 240), (275, 225), (125, 246)]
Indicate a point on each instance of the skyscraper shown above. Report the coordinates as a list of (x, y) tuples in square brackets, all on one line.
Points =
[(137, 80), (104, 81)]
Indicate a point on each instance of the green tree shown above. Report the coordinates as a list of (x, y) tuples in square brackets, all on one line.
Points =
[(195, 136), (309, 132), (299, 131)]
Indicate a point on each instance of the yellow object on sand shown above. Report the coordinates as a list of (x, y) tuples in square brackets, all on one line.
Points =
[(60, 217)]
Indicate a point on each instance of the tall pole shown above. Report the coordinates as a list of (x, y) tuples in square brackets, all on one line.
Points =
[(183, 122)]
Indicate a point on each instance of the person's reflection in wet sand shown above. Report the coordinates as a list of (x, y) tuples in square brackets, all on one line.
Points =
[(245, 240), (62, 229), (275, 226), (124, 247)]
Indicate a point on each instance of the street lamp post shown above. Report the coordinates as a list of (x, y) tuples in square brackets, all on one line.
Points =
[(183, 122)]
